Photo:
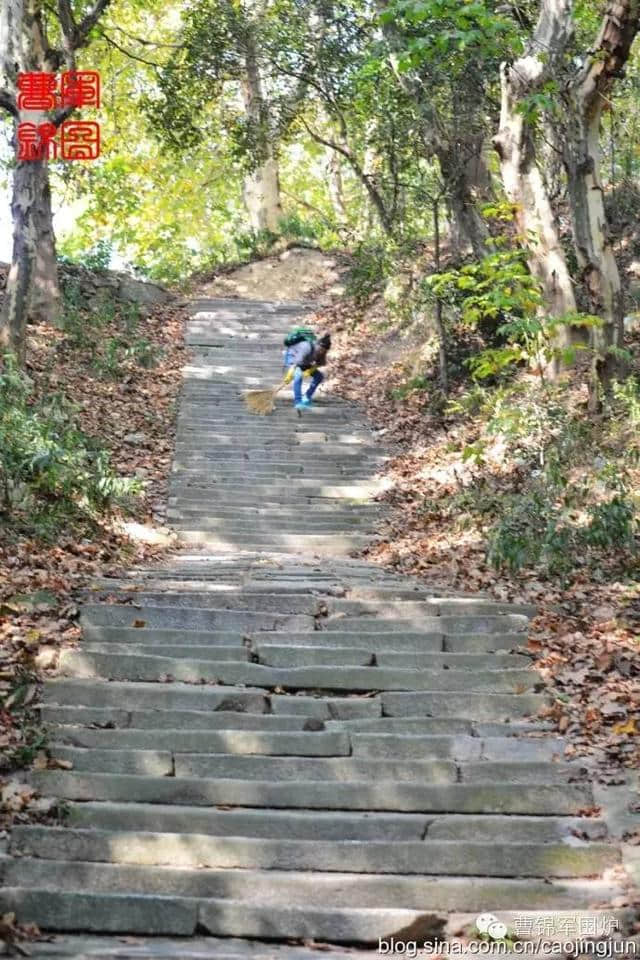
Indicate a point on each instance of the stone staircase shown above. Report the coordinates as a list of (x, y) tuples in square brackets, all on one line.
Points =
[(272, 740)]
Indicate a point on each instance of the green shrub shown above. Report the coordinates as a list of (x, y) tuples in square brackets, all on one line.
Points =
[(45, 460), (373, 264), (97, 257)]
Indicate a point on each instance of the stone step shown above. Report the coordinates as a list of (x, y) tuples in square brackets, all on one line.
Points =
[(272, 888), (276, 655), (114, 718), (331, 544), (474, 706), (265, 601), (275, 528), (122, 615), (267, 823), (275, 743), (494, 648), (248, 509), (400, 642), (318, 825), (228, 520), (206, 618), (533, 799), (240, 653), (170, 696), (428, 857), (398, 746), (136, 666), (507, 623), (305, 486), (251, 768)]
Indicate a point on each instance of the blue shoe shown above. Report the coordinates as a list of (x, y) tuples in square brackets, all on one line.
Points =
[(301, 406), (307, 402)]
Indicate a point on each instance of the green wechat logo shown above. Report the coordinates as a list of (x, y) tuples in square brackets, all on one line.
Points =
[(491, 927)]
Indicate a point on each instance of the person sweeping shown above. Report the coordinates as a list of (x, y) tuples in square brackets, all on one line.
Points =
[(303, 355), (304, 358)]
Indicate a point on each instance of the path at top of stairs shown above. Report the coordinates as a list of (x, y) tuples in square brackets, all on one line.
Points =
[(270, 739)]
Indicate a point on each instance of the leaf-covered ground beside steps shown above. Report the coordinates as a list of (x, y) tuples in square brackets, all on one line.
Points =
[(131, 412), (586, 637)]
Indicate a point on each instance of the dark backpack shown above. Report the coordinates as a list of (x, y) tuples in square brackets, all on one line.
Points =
[(298, 335)]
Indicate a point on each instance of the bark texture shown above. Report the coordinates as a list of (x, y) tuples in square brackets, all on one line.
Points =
[(32, 285), (522, 175), (261, 191), (587, 95), (28, 178)]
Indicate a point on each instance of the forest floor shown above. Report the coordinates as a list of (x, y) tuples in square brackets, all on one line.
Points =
[(122, 378), (296, 273)]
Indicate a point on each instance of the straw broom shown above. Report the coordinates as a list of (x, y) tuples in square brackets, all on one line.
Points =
[(262, 402)]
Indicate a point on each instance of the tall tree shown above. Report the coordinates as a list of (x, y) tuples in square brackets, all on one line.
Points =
[(35, 39), (515, 143), (585, 96)]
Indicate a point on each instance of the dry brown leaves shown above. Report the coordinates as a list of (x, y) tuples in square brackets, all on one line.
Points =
[(39, 581), (586, 637)]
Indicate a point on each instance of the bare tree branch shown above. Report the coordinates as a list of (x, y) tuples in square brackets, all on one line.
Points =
[(90, 20), (8, 102), (128, 53)]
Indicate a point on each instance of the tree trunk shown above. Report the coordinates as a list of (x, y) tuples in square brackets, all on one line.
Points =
[(261, 195), (594, 253), (45, 299), (468, 231), (521, 175), (335, 184), (23, 48), (261, 192), (28, 180), (439, 324)]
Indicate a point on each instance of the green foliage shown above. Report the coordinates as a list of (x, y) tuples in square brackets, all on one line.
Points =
[(419, 382), (373, 264), (97, 257), (612, 524), (571, 499), (452, 33), (46, 463), (88, 331)]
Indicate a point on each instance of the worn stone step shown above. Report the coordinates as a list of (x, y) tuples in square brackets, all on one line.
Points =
[(474, 706), (286, 824), (416, 746), (240, 653), (101, 913), (264, 601), (79, 692), (400, 641), (324, 525), (540, 800), (429, 857), (251, 767), (134, 666), (319, 825), (393, 641), (126, 615), (508, 623), (297, 888), (276, 655), (331, 544), (367, 512), (160, 720), (302, 744)]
